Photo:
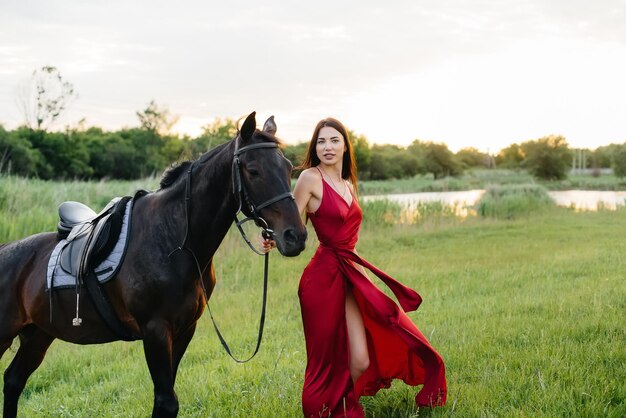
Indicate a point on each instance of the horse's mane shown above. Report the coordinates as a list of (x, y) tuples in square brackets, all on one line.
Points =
[(173, 173), (176, 170)]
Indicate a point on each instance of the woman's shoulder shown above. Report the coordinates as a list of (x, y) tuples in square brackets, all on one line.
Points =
[(310, 180), (310, 175)]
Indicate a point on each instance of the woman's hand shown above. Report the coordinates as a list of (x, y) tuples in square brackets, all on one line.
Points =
[(266, 244)]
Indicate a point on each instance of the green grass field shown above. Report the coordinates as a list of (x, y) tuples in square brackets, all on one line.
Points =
[(528, 314)]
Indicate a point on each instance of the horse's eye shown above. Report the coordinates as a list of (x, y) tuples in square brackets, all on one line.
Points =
[(253, 172)]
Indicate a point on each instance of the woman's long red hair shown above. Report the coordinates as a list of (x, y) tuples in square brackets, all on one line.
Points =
[(348, 170)]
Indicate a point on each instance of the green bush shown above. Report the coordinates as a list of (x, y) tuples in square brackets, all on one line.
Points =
[(547, 158), (508, 202)]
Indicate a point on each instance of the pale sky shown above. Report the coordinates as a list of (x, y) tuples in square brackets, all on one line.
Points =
[(468, 73)]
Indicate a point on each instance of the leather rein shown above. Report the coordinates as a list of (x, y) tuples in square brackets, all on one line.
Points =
[(239, 189)]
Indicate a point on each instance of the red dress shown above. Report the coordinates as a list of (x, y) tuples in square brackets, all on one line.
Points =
[(397, 349)]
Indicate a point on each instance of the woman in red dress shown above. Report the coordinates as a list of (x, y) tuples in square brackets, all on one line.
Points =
[(357, 338)]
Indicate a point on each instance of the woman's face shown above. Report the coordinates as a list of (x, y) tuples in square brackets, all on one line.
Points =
[(330, 146)]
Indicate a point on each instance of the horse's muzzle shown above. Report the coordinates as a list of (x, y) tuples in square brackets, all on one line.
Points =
[(291, 242)]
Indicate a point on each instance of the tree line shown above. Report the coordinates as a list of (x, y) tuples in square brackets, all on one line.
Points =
[(136, 152), (548, 158), (130, 153)]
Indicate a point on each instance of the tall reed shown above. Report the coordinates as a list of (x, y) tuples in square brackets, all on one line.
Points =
[(512, 201), (29, 206)]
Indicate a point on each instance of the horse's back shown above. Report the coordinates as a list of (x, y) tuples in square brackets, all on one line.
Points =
[(20, 259), (22, 280)]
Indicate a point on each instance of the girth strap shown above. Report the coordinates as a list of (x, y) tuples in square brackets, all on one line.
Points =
[(105, 309)]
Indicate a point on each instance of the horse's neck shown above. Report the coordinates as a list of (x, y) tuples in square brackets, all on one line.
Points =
[(213, 204), (200, 223)]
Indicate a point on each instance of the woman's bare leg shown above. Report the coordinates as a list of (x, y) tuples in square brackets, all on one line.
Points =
[(359, 357)]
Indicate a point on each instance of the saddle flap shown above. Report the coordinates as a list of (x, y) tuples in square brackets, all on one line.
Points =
[(71, 255), (100, 237)]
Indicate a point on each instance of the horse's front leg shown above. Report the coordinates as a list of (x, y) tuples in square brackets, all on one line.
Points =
[(157, 346), (180, 346)]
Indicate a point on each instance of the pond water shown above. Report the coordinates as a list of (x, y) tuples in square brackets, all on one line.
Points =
[(577, 199), (589, 199)]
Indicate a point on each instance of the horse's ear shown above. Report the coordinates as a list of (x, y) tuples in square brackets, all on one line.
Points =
[(248, 127), (270, 126)]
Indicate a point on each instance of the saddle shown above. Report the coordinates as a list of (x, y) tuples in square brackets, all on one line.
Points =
[(86, 240), (90, 237)]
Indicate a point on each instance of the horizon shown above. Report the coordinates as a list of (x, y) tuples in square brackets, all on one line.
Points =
[(481, 75)]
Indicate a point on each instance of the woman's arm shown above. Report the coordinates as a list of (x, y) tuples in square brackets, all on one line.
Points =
[(308, 191), (308, 196)]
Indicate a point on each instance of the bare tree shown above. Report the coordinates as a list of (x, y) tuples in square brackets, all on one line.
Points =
[(157, 119), (44, 97)]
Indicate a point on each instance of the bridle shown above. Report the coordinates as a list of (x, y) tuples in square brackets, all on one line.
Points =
[(241, 191), (243, 196)]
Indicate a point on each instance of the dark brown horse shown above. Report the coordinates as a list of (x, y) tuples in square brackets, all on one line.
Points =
[(158, 292)]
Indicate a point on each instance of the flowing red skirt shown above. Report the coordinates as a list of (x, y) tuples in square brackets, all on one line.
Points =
[(397, 349)]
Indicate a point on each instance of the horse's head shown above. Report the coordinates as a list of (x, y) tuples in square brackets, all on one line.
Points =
[(266, 185)]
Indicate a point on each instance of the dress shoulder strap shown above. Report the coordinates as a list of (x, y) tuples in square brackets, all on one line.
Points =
[(321, 174), (349, 184)]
